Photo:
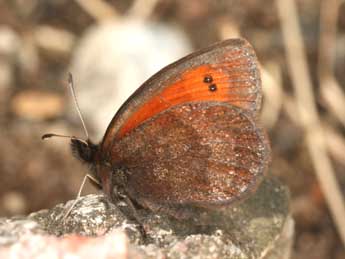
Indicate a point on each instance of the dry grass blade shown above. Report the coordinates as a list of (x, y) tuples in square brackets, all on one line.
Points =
[(310, 121), (98, 9), (331, 91), (142, 9), (335, 144), (273, 92), (228, 29), (334, 97)]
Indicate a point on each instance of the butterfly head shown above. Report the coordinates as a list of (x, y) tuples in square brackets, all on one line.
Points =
[(87, 152), (84, 150)]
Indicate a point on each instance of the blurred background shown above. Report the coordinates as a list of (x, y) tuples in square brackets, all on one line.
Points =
[(112, 46)]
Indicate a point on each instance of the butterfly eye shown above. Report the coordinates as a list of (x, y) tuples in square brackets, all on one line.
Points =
[(212, 87), (208, 79)]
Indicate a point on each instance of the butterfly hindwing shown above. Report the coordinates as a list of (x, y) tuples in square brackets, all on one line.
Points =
[(201, 153)]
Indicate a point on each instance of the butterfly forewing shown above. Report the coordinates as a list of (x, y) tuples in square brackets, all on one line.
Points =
[(226, 72)]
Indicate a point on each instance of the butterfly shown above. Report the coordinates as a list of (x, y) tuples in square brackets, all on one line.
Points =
[(189, 137)]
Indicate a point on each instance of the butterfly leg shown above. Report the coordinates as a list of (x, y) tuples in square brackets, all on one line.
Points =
[(175, 211), (127, 207), (133, 213), (93, 180)]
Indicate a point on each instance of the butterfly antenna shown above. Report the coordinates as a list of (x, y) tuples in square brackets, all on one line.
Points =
[(50, 135), (71, 87)]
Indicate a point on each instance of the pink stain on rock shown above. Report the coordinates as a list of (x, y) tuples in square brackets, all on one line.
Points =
[(113, 245)]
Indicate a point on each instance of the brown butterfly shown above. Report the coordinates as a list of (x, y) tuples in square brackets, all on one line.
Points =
[(188, 137)]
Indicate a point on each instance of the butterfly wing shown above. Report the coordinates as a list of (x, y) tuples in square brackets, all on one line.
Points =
[(189, 134), (200, 153), (230, 67)]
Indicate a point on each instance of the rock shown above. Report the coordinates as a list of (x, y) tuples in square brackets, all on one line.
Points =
[(55, 43), (37, 105), (114, 58), (14, 202), (113, 245), (9, 45), (260, 227), (28, 60)]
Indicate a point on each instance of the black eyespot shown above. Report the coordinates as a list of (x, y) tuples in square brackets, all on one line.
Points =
[(212, 87), (208, 79)]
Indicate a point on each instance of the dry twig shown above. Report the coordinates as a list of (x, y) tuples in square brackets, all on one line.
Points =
[(309, 118)]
